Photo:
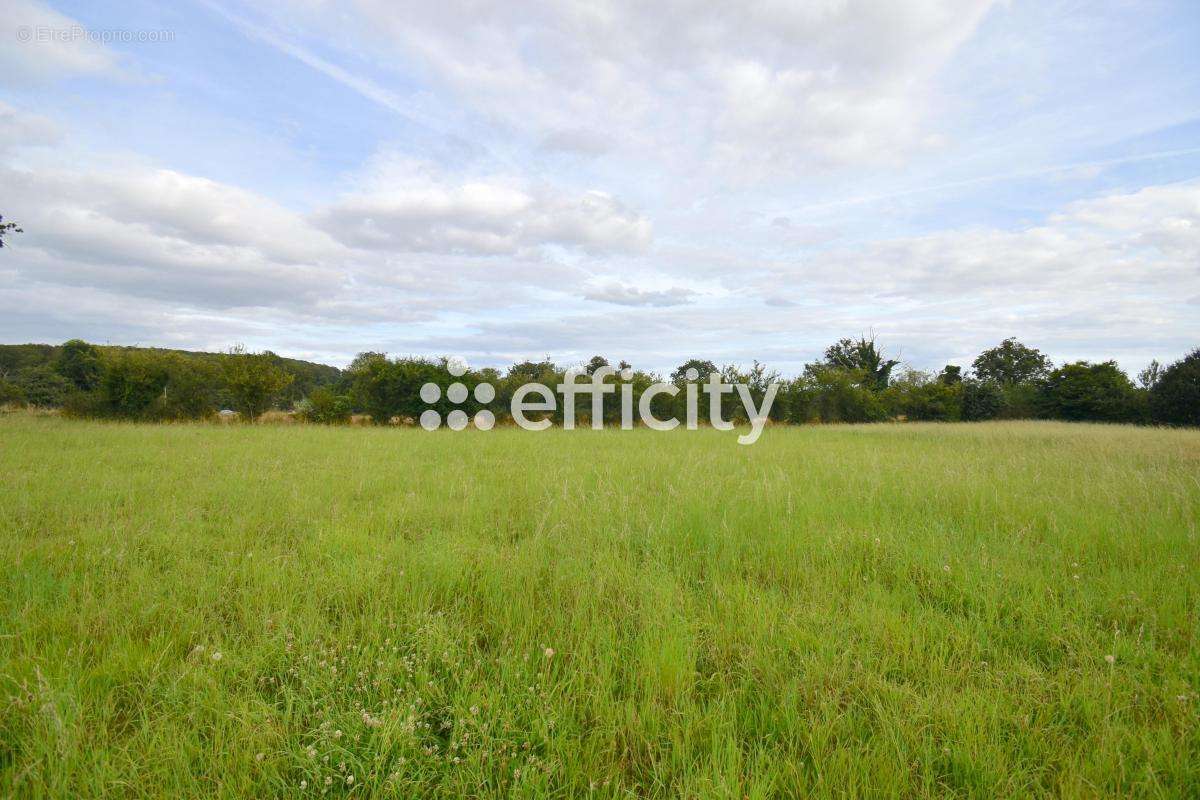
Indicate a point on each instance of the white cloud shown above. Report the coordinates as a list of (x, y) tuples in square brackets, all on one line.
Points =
[(21, 129), (755, 86), (159, 233), (621, 294), (410, 207), (38, 45), (538, 141), (161, 238), (475, 260), (1142, 242)]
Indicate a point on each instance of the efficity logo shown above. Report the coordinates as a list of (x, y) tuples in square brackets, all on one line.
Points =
[(456, 393), (541, 400)]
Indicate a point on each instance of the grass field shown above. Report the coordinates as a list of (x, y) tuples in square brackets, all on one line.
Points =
[(987, 610)]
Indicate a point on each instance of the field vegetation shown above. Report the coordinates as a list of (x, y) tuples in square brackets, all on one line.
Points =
[(1004, 609)]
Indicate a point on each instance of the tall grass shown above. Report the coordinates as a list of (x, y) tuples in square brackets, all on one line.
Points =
[(992, 610)]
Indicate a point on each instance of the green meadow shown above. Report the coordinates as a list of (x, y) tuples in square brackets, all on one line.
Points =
[(910, 611)]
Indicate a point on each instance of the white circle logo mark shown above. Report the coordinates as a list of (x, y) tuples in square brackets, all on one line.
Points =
[(457, 394)]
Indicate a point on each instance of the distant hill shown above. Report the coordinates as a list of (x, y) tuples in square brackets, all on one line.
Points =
[(307, 375)]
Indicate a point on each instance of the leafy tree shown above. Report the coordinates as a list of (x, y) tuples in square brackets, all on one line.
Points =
[(950, 375), (1083, 391), (14, 357), (1175, 396), (325, 407), (703, 369), (7, 228), (1151, 375), (922, 397), (42, 386), (369, 377), (863, 356), (253, 381), (193, 388), (595, 363), (79, 362), (534, 372), (756, 379), (132, 384), (1020, 401), (1011, 363), (832, 394), (391, 388), (11, 393), (981, 401)]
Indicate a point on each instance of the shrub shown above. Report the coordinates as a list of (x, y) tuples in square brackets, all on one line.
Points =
[(830, 394), (934, 402), (79, 362), (981, 400), (1083, 391), (42, 386), (132, 385), (253, 381), (192, 388), (11, 394), (387, 388), (325, 407), (1175, 397), (1020, 401)]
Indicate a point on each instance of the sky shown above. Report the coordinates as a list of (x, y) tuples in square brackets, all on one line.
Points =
[(650, 182)]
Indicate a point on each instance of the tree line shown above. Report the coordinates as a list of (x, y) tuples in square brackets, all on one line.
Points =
[(854, 381)]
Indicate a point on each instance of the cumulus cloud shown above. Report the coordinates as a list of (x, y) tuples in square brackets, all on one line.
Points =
[(407, 207), (753, 86), (623, 295), (21, 129), (143, 237), (160, 233), (1144, 241), (38, 44)]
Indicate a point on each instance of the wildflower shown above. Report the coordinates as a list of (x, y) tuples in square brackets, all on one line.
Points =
[(328, 780), (549, 652), (260, 756), (349, 780), (945, 567), (337, 734), (312, 752), (1110, 658), (217, 656), (474, 710), (303, 784)]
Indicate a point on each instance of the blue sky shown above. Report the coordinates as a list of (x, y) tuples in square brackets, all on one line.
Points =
[(650, 182)]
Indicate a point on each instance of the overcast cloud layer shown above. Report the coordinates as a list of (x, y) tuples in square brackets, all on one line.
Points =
[(647, 181)]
